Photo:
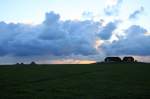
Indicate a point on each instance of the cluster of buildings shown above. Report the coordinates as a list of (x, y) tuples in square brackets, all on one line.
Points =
[(118, 59)]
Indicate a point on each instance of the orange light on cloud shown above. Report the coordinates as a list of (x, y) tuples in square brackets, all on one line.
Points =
[(97, 44), (147, 33)]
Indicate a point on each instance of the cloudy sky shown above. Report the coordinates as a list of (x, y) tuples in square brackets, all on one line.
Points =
[(73, 31)]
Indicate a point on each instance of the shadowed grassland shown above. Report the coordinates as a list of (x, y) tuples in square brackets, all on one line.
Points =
[(93, 81)]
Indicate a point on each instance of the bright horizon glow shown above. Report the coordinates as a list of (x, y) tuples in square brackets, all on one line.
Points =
[(72, 61)]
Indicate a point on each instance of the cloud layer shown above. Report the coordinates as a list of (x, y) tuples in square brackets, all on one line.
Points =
[(54, 37)]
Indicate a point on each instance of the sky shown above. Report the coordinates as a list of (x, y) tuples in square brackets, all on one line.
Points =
[(73, 31)]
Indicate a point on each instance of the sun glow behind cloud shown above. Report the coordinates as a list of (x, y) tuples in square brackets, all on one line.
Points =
[(147, 33), (98, 43)]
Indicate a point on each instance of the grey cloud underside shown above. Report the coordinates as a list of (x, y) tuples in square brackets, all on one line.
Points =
[(52, 37), (106, 32), (134, 43), (63, 38)]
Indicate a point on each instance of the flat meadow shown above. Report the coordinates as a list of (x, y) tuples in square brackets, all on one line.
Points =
[(74, 81)]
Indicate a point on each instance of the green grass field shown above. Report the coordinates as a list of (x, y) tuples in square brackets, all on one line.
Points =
[(94, 81)]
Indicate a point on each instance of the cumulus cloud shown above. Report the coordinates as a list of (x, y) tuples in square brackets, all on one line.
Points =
[(112, 7), (81, 39), (52, 37), (107, 31), (136, 13), (134, 43), (51, 18)]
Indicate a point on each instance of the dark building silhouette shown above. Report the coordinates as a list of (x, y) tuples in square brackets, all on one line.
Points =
[(21, 63), (112, 59), (33, 63), (17, 64), (128, 59)]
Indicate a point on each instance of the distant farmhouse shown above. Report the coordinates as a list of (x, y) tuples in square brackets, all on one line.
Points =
[(128, 59), (118, 59), (112, 59)]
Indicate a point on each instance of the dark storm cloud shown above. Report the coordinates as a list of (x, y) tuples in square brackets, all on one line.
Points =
[(59, 38), (136, 13), (52, 37), (113, 9), (134, 43)]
